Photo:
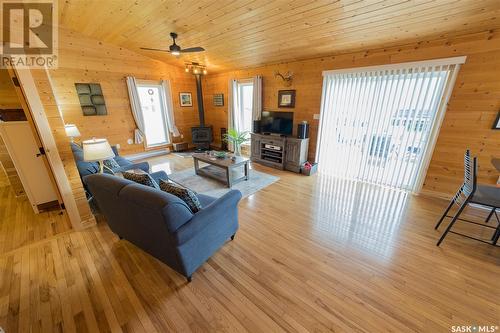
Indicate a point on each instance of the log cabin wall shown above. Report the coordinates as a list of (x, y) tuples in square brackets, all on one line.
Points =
[(472, 109), (87, 60)]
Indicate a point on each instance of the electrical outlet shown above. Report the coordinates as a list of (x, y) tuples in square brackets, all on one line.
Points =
[(316, 116), (117, 146), (182, 136), (130, 141)]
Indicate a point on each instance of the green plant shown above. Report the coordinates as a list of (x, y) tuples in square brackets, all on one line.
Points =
[(236, 138)]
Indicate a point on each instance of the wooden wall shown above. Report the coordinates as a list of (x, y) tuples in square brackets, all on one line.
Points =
[(472, 109), (86, 60), (56, 124), (8, 97)]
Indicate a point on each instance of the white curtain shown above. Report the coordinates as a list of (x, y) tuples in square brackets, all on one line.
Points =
[(377, 123), (233, 113), (257, 97), (233, 105), (135, 105), (169, 107)]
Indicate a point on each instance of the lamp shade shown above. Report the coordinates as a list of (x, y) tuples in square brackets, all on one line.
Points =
[(71, 130), (97, 150)]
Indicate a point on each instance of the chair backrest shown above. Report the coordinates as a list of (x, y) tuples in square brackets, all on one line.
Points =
[(470, 179)]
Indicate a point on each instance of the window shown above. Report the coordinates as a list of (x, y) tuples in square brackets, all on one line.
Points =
[(245, 100), (154, 114), (376, 123)]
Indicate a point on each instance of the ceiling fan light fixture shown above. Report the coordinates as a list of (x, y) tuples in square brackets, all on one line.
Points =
[(175, 53)]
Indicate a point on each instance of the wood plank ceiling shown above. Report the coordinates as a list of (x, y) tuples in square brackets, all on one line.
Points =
[(239, 34)]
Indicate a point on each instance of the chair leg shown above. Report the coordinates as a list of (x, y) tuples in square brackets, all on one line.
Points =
[(496, 235), (490, 215), (445, 213), (232, 237), (189, 279), (457, 215)]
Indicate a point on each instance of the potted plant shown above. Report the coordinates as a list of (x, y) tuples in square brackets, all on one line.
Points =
[(237, 139)]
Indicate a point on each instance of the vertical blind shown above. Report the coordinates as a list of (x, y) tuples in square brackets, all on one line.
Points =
[(376, 123)]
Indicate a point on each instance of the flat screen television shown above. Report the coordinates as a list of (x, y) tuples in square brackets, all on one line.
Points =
[(276, 122)]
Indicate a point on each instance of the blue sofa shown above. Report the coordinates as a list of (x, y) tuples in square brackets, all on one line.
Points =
[(162, 224), (88, 168)]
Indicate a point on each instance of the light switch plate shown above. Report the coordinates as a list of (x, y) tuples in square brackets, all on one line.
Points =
[(316, 116)]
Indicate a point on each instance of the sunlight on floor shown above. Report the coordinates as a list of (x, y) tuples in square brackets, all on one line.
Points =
[(366, 215)]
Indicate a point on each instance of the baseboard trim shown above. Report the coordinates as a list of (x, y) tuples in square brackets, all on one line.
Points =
[(147, 154)]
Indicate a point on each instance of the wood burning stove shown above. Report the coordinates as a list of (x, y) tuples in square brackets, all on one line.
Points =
[(201, 135)]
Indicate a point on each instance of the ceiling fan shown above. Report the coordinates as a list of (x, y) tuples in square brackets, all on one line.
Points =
[(176, 49)]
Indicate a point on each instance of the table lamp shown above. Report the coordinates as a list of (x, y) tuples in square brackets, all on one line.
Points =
[(97, 150), (72, 131)]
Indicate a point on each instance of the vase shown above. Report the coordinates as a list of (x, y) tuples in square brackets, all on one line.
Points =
[(237, 150)]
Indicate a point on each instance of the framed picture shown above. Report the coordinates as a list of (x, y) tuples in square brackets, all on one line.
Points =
[(186, 99), (286, 98), (219, 99), (496, 125)]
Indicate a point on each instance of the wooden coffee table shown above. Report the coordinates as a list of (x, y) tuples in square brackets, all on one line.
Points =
[(226, 164)]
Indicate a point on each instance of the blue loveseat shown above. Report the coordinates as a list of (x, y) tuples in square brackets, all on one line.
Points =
[(162, 224), (88, 168)]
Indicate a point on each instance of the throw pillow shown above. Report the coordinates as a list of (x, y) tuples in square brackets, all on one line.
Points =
[(140, 178), (111, 163), (182, 193)]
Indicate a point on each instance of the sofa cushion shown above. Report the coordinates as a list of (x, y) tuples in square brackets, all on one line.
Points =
[(122, 161), (141, 178), (186, 195), (111, 163), (87, 168), (77, 152)]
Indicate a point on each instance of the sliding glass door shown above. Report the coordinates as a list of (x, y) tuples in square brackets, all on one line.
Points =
[(376, 124)]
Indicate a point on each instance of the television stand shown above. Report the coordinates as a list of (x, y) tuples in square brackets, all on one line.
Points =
[(279, 152)]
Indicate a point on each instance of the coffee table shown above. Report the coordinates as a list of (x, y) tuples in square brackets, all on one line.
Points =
[(226, 164)]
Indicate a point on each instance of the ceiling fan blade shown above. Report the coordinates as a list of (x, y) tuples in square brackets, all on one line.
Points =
[(149, 49), (192, 49)]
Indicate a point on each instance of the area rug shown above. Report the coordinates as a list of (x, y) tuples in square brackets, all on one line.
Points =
[(184, 154), (205, 185)]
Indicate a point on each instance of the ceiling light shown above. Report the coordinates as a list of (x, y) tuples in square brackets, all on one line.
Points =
[(176, 53), (205, 71), (187, 69)]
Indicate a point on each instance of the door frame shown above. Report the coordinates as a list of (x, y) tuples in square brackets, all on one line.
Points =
[(33, 107)]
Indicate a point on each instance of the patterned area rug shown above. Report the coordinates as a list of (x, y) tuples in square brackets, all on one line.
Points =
[(205, 185)]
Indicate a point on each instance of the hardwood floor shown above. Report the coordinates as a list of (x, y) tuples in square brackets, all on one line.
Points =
[(20, 226), (312, 254)]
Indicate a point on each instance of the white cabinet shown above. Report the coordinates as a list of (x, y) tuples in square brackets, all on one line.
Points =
[(23, 150)]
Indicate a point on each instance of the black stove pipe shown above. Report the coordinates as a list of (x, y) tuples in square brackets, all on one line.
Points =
[(199, 94)]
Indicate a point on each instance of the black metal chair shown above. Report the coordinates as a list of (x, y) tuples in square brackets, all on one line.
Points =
[(472, 193)]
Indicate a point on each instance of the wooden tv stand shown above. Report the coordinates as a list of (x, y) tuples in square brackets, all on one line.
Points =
[(285, 153)]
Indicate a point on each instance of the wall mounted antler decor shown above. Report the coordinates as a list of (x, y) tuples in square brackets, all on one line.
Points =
[(287, 77)]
